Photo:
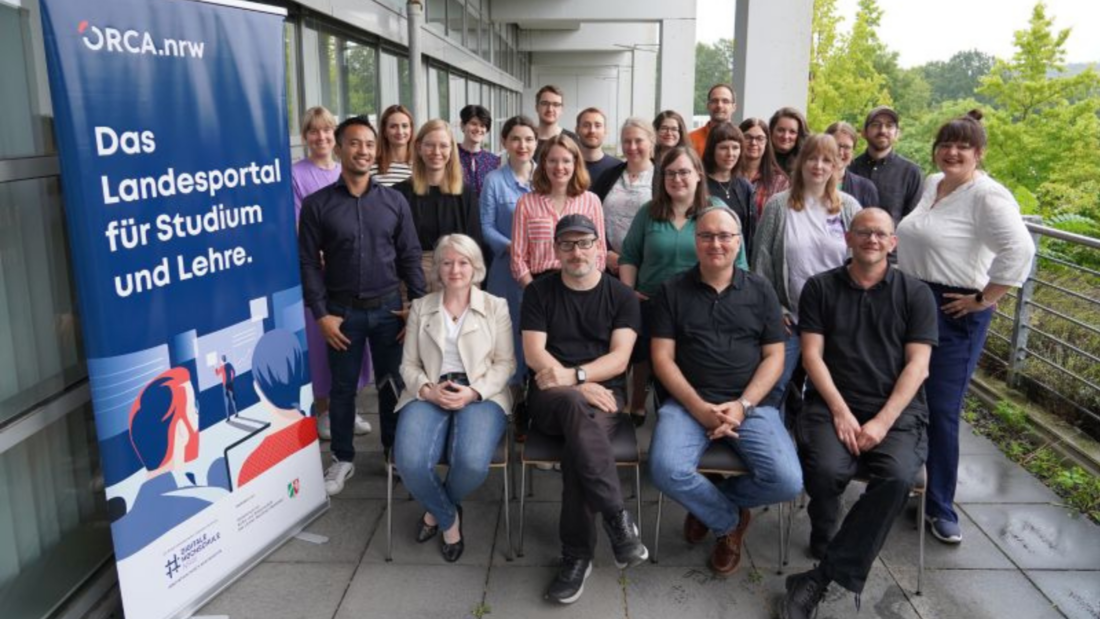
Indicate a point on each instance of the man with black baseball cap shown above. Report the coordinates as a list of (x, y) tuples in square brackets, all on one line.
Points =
[(579, 328), (897, 179)]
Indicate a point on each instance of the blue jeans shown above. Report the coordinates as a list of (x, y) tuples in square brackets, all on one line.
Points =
[(764, 446), (469, 435), (381, 327), (792, 357), (949, 370)]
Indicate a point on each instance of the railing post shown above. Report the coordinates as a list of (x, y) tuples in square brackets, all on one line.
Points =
[(1021, 323)]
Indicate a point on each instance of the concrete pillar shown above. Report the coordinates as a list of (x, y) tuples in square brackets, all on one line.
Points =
[(677, 90), (644, 87), (772, 66), (416, 65)]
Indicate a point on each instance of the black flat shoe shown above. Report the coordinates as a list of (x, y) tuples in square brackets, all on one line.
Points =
[(425, 531), (452, 552), (638, 417)]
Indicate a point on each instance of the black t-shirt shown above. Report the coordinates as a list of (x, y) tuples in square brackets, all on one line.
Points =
[(578, 323), (866, 332), (718, 336)]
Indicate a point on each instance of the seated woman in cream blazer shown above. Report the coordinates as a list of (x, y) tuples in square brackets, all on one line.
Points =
[(457, 360)]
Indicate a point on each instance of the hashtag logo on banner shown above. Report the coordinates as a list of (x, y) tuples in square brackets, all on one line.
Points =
[(172, 566)]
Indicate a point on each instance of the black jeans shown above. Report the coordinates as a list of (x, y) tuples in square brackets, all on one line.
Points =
[(590, 480), (828, 467)]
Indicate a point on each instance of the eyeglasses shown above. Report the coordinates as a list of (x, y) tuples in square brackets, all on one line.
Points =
[(756, 139), (554, 104), (680, 174), (724, 238), (668, 130), (865, 235), (567, 246)]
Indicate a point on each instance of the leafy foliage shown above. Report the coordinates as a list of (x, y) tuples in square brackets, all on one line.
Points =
[(957, 78), (713, 65)]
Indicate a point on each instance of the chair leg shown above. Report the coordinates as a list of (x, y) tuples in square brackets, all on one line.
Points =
[(657, 527), (507, 517), (920, 524), (780, 558), (522, 505), (638, 495), (389, 512)]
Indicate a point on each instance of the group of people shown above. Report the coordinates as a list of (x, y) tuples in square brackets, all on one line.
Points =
[(757, 279)]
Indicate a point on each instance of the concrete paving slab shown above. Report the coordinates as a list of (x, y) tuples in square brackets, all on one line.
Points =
[(518, 592), (976, 594), (1040, 536), (348, 524), (284, 591), (479, 531), (542, 544), (882, 598), (993, 478), (976, 552), (1077, 594), (971, 443), (662, 592), (394, 591)]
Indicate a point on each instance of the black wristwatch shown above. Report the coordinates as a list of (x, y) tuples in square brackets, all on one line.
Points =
[(581, 375), (979, 297)]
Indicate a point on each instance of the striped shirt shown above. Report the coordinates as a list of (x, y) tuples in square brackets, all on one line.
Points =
[(533, 231), (398, 172)]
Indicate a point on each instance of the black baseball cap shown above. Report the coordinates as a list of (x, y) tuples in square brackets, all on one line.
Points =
[(880, 111), (575, 223)]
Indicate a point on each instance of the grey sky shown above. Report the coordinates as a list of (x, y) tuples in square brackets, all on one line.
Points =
[(937, 29)]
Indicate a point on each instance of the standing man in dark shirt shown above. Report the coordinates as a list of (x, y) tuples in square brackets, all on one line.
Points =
[(718, 350), (549, 104), (592, 129), (867, 334), (579, 328), (897, 179), (356, 241)]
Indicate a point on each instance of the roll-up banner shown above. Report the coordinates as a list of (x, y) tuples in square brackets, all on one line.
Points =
[(175, 163)]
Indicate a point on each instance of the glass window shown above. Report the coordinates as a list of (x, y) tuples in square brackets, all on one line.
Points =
[(498, 48), (406, 81), (458, 96), (293, 109), (329, 74), (473, 20), (436, 14), (473, 92), (389, 78), (360, 74), (456, 14), (443, 90), (486, 37), (26, 126)]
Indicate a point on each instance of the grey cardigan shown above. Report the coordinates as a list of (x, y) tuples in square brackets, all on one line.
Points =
[(769, 252)]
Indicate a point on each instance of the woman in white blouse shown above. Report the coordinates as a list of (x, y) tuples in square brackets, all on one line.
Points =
[(967, 241)]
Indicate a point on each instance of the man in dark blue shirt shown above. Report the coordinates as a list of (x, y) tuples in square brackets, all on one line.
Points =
[(897, 179), (356, 243)]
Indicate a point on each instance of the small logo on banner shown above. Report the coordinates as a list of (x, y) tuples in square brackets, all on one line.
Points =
[(292, 489), (136, 42), (190, 553)]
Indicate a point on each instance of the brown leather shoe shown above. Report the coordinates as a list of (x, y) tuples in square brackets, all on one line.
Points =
[(694, 529), (726, 556)]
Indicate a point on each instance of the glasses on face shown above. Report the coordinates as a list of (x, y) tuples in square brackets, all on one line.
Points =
[(844, 148), (756, 139), (679, 174), (667, 130), (864, 234), (567, 246), (551, 104), (724, 238)]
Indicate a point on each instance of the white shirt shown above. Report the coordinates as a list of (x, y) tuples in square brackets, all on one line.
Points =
[(622, 204), (452, 362), (814, 243), (973, 236)]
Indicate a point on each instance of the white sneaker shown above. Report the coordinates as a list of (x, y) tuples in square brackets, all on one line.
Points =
[(338, 473), (362, 426), (324, 427)]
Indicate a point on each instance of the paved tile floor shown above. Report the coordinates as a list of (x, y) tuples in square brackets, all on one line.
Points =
[(1024, 556)]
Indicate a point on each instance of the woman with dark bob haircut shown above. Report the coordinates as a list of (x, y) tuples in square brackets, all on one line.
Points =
[(967, 241), (788, 129), (723, 162), (671, 131)]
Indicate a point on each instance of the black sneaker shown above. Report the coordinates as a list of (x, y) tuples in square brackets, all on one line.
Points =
[(625, 541), (568, 585), (804, 593)]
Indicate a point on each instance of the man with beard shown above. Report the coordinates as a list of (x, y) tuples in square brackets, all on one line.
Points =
[(592, 129), (721, 104), (579, 328), (897, 179)]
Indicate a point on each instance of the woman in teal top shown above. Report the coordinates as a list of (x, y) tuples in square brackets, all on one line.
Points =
[(660, 244)]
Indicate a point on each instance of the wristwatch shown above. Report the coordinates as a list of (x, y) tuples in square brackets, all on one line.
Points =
[(980, 297), (748, 407), (581, 375)]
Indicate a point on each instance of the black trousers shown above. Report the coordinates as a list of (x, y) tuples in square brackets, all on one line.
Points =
[(590, 481), (828, 467)]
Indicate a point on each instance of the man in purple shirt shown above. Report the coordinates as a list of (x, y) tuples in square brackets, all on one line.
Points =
[(363, 235)]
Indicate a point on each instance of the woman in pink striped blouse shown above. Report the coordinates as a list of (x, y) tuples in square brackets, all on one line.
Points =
[(560, 187)]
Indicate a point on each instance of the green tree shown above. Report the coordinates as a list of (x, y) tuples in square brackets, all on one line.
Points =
[(910, 92), (713, 65), (844, 81), (958, 77)]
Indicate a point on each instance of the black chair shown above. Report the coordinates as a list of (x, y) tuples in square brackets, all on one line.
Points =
[(501, 459), (541, 449)]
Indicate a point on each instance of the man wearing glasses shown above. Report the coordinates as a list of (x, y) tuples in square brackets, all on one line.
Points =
[(717, 350), (579, 329), (867, 334), (721, 104), (549, 102), (897, 179)]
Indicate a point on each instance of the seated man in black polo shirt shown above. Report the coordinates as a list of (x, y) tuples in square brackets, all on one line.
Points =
[(867, 334), (718, 350), (579, 329)]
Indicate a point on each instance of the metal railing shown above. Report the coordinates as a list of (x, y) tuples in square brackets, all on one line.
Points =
[(1054, 342)]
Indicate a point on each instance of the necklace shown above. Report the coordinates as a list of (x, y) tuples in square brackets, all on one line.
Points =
[(728, 187)]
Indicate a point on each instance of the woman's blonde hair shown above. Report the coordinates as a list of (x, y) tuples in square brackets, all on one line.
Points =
[(816, 144), (463, 246), (452, 173), (317, 117)]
